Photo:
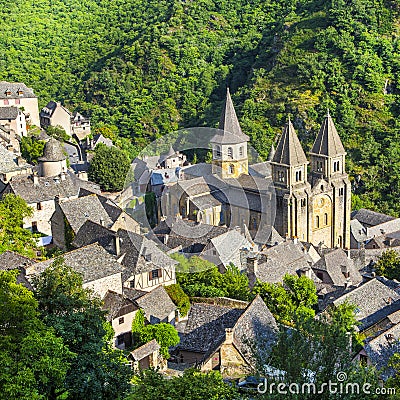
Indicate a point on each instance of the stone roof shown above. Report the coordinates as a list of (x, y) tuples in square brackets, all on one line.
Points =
[(194, 187), (15, 87), (78, 211), (10, 163), (91, 232), (285, 258), (9, 113), (156, 304), (253, 328), (289, 150), (205, 202), (92, 261), (53, 151), (145, 350), (358, 231), (335, 263), (46, 188), (12, 260), (230, 124), (384, 228), (117, 305), (375, 300), (370, 218), (381, 348), (133, 294), (328, 142)]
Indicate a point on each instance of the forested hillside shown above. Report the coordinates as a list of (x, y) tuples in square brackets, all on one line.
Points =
[(146, 67)]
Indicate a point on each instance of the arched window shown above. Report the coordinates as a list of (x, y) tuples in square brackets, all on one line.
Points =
[(298, 176), (241, 151), (281, 176), (217, 151), (317, 221), (326, 219), (230, 152), (231, 169)]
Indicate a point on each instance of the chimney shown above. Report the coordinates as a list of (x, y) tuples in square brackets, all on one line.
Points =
[(252, 263), (228, 336), (306, 271), (295, 239), (35, 179), (166, 237), (117, 245), (102, 222)]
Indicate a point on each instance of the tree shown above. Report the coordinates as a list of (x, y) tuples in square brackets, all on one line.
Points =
[(98, 371), (165, 334), (388, 264), (13, 210), (192, 385), (109, 167), (33, 360), (179, 297), (31, 148), (58, 132)]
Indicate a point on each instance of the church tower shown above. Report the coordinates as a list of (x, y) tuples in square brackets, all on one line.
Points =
[(229, 146), (331, 188), (289, 174)]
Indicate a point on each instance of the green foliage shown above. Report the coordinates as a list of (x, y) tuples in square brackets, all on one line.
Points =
[(394, 380), (138, 325), (296, 296), (201, 278), (165, 334), (179, 297), (109, 167), (192, 385), (31, 148), (58, 133), (13, 209), (77, 317), (388, 265), (33, 361)]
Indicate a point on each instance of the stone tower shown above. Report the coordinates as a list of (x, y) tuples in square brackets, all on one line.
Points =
[(289, 174), (229, 146), (331, 190), (53, 162)]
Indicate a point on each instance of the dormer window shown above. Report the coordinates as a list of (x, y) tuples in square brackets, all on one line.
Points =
[(8, 92), (298, 176), (20, 92), (336, 166)]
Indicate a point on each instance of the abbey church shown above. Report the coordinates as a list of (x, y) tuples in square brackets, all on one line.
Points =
[(300, 197)]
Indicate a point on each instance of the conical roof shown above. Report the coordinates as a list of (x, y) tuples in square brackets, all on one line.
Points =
[(228, 121), (328, 142), (289, 150), (53, 151)]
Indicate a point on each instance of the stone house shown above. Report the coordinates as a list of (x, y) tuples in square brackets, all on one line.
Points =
[(19, 95), (226, 338), (146, 356), (121, 312), (13, 123), (11, 165), (100, 270)]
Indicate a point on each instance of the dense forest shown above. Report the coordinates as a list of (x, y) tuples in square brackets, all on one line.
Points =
[(143, 68)]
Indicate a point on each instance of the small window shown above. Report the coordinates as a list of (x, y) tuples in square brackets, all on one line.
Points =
[(34, 226), (6, 102), (154, 274), (121, 320), (241, 151), (218, 151), (38, 206), (326, 219), (317, 221), (17, 101), (230, 152), (298, 176), (341, 191), (132, 284), (322, 187), (303, 202), (281, 176), (231, 169)]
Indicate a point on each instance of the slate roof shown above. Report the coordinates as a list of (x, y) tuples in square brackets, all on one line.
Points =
[(384, 228), (375, 300), (78, 211), (380, 348), (46, 189), (205, 202), (92, 261), (12, 260), (194, 187), (285, 258), (9, 163), (358, 231), (117, 305), (156, 304), (328, 142), (333, 262), (53, 151), (229, 124), (370, 218), (205, 330), (145, 350), (289, 150), (133, 294), (14, 87), (9, 113), (91, 232)]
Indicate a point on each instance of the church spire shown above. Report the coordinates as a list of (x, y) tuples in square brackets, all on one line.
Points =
[(328, 142), (228, 121), (289, 151)]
